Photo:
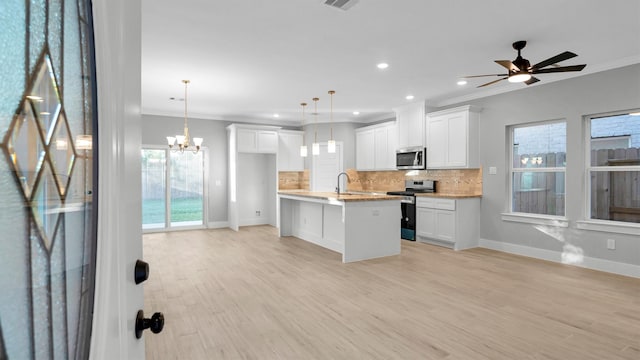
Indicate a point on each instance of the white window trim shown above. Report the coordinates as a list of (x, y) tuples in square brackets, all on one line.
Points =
[(610, 226), (536, 219), (531, 218)]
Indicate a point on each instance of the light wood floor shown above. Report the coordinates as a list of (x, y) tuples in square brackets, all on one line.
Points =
[(252, 295)]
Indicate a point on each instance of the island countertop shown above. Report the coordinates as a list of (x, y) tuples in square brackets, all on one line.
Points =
[(347, 196)]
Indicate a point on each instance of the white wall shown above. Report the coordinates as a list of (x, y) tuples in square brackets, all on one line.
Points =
[(613, 90), (155, 129)]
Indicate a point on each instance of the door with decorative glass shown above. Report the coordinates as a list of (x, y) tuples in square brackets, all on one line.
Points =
[(47, 171)]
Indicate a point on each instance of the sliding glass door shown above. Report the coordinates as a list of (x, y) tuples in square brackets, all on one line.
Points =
[(173, 193)]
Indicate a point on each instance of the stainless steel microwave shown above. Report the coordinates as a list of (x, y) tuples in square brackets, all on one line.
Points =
[(413, 158)]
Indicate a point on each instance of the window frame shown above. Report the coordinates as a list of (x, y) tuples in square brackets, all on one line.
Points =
[(622, 227), (525, 217)]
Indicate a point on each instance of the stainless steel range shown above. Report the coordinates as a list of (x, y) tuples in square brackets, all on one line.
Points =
[(408, 205)]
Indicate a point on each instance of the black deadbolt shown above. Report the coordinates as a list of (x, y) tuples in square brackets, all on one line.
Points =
[(156, 323), (141, 271)]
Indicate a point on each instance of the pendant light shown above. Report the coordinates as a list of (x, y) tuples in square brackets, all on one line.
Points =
[(184, 141), (315, 147), (303, 147), (331, 144)]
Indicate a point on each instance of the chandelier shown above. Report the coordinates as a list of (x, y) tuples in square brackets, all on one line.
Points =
[(184, 141)]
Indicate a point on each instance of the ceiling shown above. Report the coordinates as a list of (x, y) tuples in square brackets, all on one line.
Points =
[(250, 59)]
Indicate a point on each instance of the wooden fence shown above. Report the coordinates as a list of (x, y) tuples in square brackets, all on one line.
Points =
[(615, 195), (539, 192)]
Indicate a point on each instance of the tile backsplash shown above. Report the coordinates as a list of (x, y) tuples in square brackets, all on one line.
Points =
[(455, 182)]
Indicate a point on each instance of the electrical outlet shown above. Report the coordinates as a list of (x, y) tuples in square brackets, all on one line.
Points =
[(611, 244), (218, 183), (493, 170), (376, 212), (257, 212)]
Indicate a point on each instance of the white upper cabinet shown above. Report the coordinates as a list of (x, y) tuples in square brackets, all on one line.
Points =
[(410, 124), (257, 141), (452, 138), (376, 147), (289, 143), (365, 149)]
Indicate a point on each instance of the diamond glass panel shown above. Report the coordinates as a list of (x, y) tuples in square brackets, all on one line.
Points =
[(26, 149), (12, 59), (46, 206), (45, 98), (61, 153)]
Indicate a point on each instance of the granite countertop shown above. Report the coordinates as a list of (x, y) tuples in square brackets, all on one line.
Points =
[(448, 196), (348, 196)]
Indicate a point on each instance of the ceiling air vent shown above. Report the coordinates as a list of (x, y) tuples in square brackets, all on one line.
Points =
[(341, 4)]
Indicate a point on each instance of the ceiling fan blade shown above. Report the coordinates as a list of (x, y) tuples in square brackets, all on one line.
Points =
[(475, 76), (533, 80), (493, 82), (508, 64), (553, 60), (559, 69)]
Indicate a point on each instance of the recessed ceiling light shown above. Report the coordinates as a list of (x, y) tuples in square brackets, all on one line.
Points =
[(409, 97), (382, 66), (356, 113), (635, 114), (462, 82), (276, 115)]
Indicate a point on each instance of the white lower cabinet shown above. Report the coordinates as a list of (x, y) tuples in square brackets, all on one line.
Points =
[(453, 223)]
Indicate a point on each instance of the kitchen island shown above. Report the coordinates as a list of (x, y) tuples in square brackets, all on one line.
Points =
[(358, 226)]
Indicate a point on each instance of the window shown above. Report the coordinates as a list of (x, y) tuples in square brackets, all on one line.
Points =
[(537, 171), (614, 167)]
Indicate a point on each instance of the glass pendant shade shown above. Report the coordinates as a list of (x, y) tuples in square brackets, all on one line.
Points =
[(303, 150), (316, 149), (197, 141), (331, 146), (171, 140), (180, 139)]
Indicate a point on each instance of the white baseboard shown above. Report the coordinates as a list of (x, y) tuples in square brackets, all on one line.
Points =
[(254, 221), (555, 256), (217, 224)]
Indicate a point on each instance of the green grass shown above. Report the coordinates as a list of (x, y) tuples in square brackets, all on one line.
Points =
[(185, 209)]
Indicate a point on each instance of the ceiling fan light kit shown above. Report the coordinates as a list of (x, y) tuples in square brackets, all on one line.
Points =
[(521, 70)]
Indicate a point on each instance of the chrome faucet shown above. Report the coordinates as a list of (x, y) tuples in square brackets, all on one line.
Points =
[(338, 187)]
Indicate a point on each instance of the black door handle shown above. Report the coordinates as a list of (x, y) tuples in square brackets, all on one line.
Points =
[(141, 271), (156, 323)]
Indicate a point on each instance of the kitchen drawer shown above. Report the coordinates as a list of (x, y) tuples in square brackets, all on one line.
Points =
[(436, 203)]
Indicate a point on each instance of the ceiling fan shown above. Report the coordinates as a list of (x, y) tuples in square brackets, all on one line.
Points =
[(520, 70)]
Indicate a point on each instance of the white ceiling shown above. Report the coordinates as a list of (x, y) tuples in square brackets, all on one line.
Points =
[(249, 59)]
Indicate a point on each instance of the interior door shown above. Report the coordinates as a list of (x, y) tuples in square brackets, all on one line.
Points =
[(48, 174)]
